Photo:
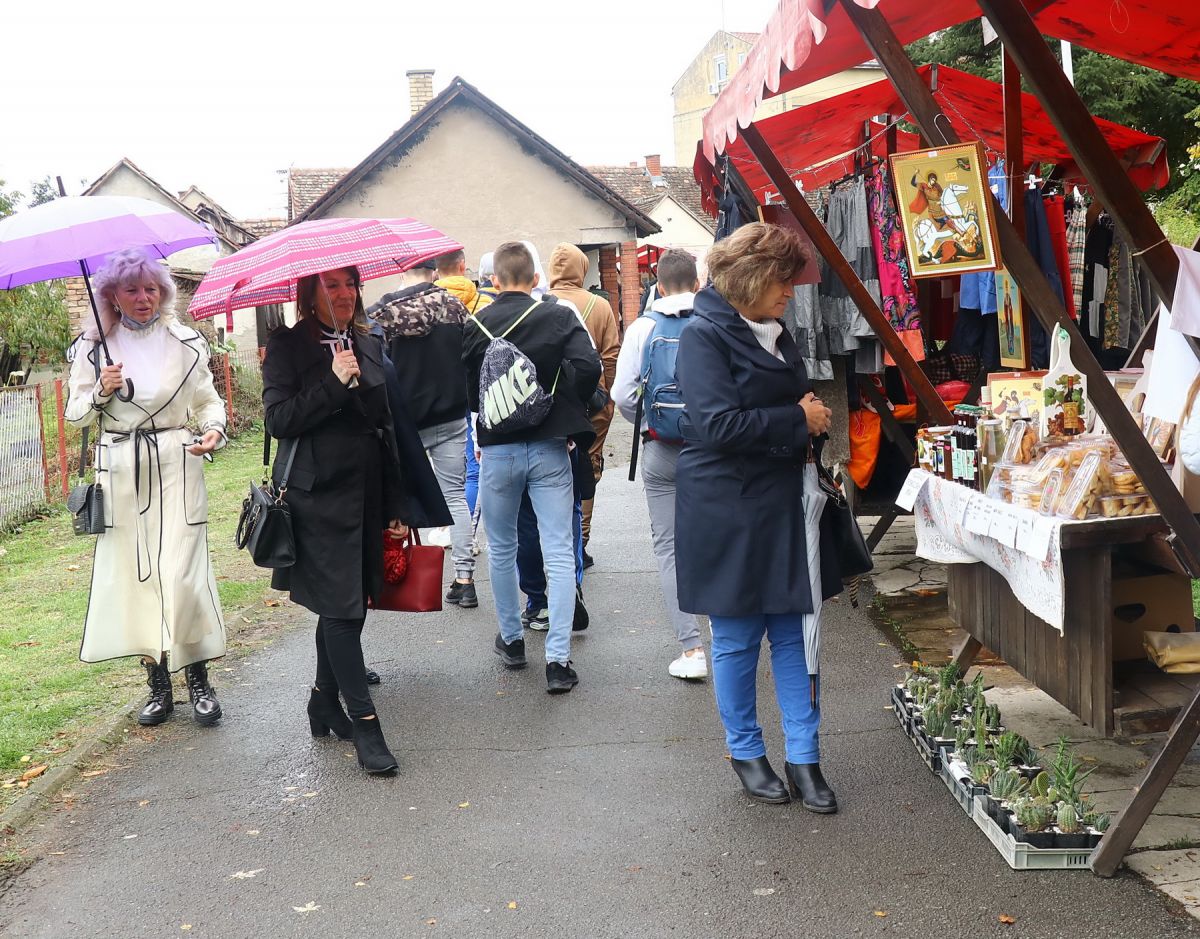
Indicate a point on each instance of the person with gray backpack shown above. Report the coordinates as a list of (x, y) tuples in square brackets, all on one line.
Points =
[(648, 396), (531, 367)]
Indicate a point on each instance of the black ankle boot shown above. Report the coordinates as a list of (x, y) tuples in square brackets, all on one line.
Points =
[(162, 702), (808, 785), (761, 782), (325, 714), (205, 706), (373, 753)]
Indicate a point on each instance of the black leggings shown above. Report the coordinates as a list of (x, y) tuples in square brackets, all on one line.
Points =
[(340, 665)]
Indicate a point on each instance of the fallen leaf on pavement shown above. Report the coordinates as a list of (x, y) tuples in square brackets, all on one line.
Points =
[(271, 602), (308, 907), (129, 837), (881, 913), (72, 567), (1006, 919), (464, 805), (512, 904), (26, 758), (252, 831), (359, 883), (93, 772), (634, 867), (144, 802), (407, 877), (29, 643), (431, 922), (763, 891), (309, 795), (34, 773), (247, 875), (185, 927)]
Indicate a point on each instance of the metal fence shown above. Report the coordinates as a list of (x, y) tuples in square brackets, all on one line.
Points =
[(23, 468)]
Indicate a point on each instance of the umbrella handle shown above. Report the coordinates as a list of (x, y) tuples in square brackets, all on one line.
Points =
[(128, 394)]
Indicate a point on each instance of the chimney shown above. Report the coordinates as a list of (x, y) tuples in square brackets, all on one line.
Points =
[(420, 88), (654, 168)]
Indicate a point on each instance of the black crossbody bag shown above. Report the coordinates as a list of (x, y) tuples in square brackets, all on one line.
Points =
[(854, 557), (265, 525)]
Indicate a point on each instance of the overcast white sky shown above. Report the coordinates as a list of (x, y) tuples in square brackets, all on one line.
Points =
[(223, 94)]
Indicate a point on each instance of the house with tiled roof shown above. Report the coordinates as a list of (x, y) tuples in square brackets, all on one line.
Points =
[(709, 72), (259, 227), (670, 196), (464, 165)]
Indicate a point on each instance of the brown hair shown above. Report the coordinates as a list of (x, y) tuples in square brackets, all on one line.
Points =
[(512, 265), (447, 264), (306, 298), (676, 271), (756, 255)]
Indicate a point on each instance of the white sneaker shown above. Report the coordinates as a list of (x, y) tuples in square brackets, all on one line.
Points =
[(690, 666)]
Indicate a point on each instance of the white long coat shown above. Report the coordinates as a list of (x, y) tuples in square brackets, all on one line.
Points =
[(153, 589)]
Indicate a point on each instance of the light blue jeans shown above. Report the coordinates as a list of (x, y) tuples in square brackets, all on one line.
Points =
[(736, 641), (446, 446), (505, 472)]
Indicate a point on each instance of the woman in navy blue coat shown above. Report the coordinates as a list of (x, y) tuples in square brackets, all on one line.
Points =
[(748, 507)]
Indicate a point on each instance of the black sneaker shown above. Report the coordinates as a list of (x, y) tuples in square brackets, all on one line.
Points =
[(512, 654), (536, 619), (560, 678), (373, 677), (581, 620), (463, 595), (587, 560)]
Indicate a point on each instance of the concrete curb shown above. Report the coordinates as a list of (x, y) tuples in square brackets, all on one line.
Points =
[(40, 793)]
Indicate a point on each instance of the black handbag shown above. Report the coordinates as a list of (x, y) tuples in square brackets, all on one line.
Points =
[(265, 525), (854, 557), (86, 500)]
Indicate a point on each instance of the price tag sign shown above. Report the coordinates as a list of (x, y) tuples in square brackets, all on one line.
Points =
[(1004, 525), (978, 517), (912, 488), (1034, 535)]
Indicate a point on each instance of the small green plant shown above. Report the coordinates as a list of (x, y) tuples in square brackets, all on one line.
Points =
[(1067, 774), (981, 734), (1033, 815), (1101, 822), (1067, 818), (1006, 784), (961, 735), (936, 721), (981, 770), (1005, 747), (948, 675), (993, 715), (1039, 786)]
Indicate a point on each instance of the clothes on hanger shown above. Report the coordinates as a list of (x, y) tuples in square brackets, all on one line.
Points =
[(1037, 239), (849, 331), (1076, 241), (895, 283), (804, 321), (1056, 220), (978, 291)]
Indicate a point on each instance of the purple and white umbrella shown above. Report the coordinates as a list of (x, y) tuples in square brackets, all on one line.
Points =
[(73, 236)]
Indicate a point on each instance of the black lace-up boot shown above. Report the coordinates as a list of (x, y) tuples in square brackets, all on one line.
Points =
[(161, 702), (205, 706)]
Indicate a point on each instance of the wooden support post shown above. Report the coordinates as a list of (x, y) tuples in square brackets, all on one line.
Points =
[(1015, 27), (64, 471), (881, 527), (965, 654), (1014, 147), (1078, 129), (891, 426), (37, 390), (841, 267)]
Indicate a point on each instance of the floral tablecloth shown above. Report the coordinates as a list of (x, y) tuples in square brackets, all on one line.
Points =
[(956, 525)]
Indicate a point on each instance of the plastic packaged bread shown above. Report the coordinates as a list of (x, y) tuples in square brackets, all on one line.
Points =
[(1089, 483), (1022, 438), (1052, 490), (1125, 506)]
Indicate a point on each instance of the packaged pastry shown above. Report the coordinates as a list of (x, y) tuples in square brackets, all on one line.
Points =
[(1123, 480), (1052, 490), (1027, 496), (1125, 506), (1021, 440), (1089, 483)]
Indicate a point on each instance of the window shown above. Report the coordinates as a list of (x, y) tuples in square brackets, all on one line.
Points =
[(722, 69), (741, 59)]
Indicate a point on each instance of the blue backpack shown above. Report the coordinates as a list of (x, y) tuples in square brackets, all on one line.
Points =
[(661, 402)]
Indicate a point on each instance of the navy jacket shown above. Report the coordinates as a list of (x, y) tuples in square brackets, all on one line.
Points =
[(740, 545)]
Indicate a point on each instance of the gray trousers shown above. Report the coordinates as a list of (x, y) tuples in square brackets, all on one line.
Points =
[(658, 478), (446, 445)]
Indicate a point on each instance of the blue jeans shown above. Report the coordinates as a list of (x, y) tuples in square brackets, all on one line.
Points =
[(444, 444), (472, 485), (505, 472), (530, 569), (735, 644)]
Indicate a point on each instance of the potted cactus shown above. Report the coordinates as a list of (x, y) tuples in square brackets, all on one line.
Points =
[(1069, 828), (1004, 786), (1033, 817)]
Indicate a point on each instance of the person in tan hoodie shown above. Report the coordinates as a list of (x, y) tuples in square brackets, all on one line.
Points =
[(452, 276), (567, 269)]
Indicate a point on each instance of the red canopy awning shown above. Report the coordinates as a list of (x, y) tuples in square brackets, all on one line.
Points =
[(802, 44), (816, 143)]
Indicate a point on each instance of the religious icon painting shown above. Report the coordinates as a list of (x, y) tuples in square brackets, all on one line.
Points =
[(945, 210), (1010, 322)]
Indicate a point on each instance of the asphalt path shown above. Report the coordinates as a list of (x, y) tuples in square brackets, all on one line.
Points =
[(608, 812)]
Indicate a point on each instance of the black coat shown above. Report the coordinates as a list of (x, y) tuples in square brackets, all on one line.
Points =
[(347, 481), (740, 545)]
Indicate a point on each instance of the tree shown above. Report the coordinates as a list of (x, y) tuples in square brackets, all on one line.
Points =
[(34, 325)]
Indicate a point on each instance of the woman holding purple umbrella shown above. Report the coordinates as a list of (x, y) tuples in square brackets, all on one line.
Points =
[(153, 592)]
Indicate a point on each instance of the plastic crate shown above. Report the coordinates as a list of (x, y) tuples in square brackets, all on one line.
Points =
[(962, 794), (1024, 857), (929, 753)]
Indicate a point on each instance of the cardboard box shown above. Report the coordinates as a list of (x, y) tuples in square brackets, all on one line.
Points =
[(1147, 602)]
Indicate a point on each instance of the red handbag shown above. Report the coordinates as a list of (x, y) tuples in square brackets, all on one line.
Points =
[(419, 587)]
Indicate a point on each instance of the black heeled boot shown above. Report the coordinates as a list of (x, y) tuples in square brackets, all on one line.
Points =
[(161, 702), (808, 785), (325, 714), (373, 753), (205, 706), (762, 784)]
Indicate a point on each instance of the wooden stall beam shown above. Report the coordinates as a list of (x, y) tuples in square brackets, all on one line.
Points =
[(882, 41), (821, 239), (1014, 144), (1078, 130)]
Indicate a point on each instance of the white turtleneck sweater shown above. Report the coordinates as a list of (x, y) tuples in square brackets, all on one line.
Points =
[(767, 333)]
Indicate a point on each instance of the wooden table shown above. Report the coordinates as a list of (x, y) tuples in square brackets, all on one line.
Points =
[(1076, 667)]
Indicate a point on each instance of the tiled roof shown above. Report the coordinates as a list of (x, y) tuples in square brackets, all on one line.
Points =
[(747, 37), (633, 184), (263, 226), (306, 186)]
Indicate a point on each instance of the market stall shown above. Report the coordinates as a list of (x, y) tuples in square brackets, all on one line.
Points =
[(807, 40)]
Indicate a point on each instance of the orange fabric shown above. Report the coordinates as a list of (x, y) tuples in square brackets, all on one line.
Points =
[(914, 341), (908, 412), (865, 431)]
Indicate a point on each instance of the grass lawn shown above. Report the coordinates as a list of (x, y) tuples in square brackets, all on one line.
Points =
[(48, 698)]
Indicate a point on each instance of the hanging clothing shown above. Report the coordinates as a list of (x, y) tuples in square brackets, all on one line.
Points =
[(1057, 223), (895, 283), (849, 331), (1076, 242), (978, 291), (730, 216), (804, 321), (1124, 317), (1037, 238), (1095, 282)]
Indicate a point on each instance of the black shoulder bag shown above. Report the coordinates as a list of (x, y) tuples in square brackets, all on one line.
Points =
[(86, 500), (854, 557), (265, 524)]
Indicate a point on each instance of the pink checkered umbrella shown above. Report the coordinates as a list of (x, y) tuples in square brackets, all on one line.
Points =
[(266, 271)]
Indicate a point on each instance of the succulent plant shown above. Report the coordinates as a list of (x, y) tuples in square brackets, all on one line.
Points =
[(948, 675), (981, 734), (1068, 773), (993, 715), (1100, 823), (1005, 748), (1033, 814), (981, 770), (961, 735), (1039, 786), (1006, 784), (936, 721), (1067, 818)]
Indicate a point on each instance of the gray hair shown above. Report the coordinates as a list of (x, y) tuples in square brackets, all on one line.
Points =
[(132, 265)]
